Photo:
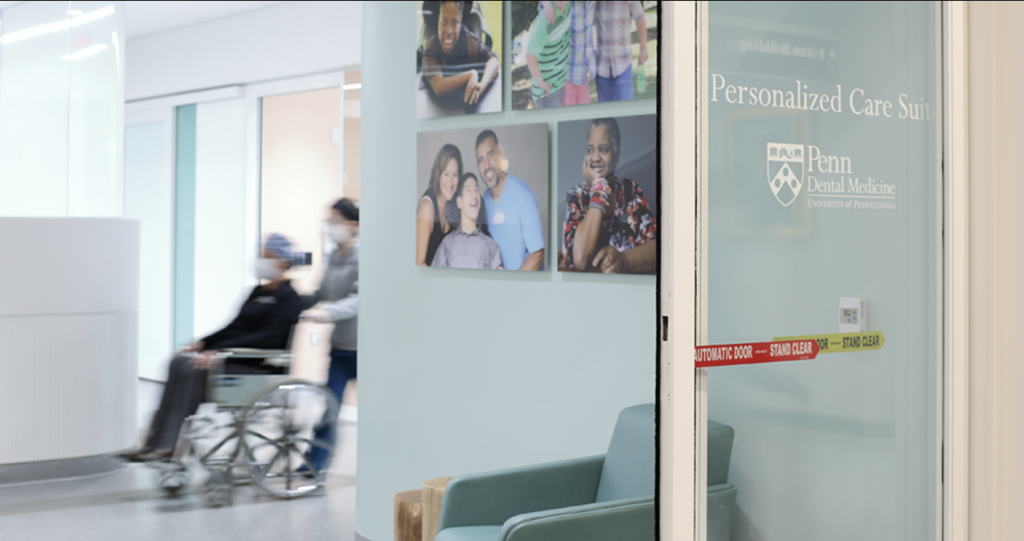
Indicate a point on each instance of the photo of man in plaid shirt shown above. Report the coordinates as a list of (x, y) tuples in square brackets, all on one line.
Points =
[(614, 75)]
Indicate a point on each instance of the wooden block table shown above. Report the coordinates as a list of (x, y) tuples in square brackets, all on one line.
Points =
[(409, 515), (433, 495)]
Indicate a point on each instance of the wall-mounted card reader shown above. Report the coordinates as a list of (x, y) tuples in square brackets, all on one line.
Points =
[(853, 314)]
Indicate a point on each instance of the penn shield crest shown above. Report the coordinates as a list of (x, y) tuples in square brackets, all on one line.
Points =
[(785, 171)]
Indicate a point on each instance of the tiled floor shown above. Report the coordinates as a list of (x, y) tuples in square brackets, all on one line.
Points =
[(129, 505)]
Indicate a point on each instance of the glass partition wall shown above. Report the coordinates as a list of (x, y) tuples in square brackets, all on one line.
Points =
[(822, 185), (61, 109)]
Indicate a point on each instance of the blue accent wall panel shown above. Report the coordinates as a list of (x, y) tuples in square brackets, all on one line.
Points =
[(184, 222)]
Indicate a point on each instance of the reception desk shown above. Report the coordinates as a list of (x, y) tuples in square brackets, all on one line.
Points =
[(68, 345)]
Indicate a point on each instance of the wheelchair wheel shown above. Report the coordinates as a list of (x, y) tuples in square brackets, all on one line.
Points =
[(290, 434)]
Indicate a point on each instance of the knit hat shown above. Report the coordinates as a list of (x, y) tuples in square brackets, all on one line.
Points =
[(279, 246)]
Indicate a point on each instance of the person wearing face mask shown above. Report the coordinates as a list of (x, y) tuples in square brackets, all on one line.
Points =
[(455, 61), (338, 294), (609, 226), (265, 321), (338, 300), (431, 225)]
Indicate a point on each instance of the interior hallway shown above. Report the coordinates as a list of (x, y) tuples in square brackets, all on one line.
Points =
[(129, 505)]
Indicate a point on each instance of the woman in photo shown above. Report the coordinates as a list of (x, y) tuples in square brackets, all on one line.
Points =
[(609, 226), (469, 245), (455, 59), (431, 227)]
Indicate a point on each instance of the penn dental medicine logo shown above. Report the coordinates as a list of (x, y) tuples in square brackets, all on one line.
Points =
[(785, 171), (829, 180)]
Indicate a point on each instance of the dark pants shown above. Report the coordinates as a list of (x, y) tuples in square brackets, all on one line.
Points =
[(343, 368), (184, 391)]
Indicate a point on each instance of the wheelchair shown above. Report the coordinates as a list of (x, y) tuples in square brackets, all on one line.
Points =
[(272, 430)]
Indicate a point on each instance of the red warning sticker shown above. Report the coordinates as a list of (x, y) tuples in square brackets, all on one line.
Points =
[(757, 352)]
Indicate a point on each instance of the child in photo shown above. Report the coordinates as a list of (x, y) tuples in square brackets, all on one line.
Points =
[(547, 56), (468, 246), (456, 60), (582, 63)]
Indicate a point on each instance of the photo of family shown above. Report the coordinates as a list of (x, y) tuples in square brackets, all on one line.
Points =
[(483, 198), (607, 185), (575, 53), (458, 60)]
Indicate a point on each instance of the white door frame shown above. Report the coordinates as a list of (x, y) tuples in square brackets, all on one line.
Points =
[(956, 278), (682, 391), (679, 497)]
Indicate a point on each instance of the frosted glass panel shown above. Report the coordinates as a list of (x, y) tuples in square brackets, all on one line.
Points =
[(33, 111), (149, 198), (61, 103), (96, 97), (824, 183)]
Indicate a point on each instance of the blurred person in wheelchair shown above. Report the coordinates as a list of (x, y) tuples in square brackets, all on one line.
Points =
[(265, 321)]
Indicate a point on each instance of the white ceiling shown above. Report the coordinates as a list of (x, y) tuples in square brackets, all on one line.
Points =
[(142, 18)]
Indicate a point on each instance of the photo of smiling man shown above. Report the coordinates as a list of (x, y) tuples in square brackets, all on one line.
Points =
[(484, 194), (513, 219)]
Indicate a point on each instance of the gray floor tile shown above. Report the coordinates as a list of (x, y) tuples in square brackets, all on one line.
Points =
[(129, 505)]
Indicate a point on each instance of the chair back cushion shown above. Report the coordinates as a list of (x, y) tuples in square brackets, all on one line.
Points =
[(719, 452), (628, 470)]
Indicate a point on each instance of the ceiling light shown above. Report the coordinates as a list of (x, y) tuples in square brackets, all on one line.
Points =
[(88, 51), (57, 26), (353, 86)]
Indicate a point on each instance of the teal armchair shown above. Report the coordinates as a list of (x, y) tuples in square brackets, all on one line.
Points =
[(721, 494), (609, 496)]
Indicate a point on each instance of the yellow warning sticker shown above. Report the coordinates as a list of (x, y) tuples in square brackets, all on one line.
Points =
[(841, 342)]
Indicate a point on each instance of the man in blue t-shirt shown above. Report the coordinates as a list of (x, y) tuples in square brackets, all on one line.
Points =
[(513, 218)]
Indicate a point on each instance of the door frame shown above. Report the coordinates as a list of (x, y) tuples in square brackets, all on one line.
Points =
[(682, 390), (956, 278), (678, 433)]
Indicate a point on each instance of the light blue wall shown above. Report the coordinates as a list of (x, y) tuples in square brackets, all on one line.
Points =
[(464, 371)]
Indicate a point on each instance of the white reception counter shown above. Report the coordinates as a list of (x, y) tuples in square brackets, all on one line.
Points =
[(68, 344)]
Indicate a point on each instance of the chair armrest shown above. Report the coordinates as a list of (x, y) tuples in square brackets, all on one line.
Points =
[(614, 520), (272, 357), (721, 505), (491, 498), (253, 353)]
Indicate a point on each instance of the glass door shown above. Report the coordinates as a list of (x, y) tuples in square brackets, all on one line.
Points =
[(822, 189)]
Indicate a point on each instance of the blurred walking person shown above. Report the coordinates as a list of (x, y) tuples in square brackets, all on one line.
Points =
[(338, 297)]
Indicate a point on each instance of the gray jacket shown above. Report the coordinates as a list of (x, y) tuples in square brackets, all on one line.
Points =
[(340, 289)]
